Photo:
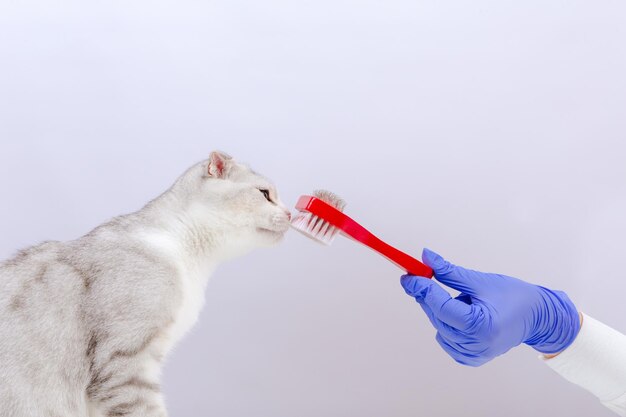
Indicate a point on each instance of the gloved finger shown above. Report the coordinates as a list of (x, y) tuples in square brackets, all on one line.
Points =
[(436, 323), (448, 348), (445, 308), (414, 286), (466, 298), (431, 316), (467, 359), (411, 288), (459, 278), (446, 331)]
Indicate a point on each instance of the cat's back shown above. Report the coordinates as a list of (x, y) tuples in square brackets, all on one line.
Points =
[(41, 331), (25, 264), (37, 289)]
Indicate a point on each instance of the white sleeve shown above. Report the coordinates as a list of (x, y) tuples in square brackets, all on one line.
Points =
[(596, 361)]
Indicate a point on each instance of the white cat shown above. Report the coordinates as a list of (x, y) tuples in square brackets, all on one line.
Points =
[(85, 325)]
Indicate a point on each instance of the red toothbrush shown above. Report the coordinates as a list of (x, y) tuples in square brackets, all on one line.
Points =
[(320, 217)]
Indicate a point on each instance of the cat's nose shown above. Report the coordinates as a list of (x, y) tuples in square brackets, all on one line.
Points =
[(288, 213)]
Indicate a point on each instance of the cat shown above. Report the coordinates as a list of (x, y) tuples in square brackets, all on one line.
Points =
[(85, 325)]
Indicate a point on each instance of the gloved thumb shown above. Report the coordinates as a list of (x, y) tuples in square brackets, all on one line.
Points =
[(453, 276), (453, 312)]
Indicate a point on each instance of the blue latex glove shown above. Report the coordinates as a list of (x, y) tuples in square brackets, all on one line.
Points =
[(493, 313)]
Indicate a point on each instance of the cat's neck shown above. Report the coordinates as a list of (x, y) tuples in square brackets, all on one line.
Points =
[(177, 226), (171, 225)]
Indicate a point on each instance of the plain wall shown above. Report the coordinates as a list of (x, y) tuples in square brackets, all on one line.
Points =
[(491, 131)]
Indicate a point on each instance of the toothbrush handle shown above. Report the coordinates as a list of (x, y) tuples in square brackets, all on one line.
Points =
[(354, 230), (359, 233)]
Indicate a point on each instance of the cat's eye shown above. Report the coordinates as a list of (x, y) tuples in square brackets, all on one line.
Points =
[(266, 194)]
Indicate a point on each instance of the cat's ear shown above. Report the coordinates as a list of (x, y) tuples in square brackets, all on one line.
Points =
[(219, 165)]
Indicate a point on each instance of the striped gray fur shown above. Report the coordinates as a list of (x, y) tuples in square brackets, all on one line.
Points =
[(86, 324)]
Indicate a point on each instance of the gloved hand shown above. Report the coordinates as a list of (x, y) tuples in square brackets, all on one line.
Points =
[(493, 313)]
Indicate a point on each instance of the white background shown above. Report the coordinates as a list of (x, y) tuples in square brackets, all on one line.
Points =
[(491, 131)]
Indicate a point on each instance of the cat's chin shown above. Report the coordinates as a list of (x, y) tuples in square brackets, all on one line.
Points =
[(272, 236)]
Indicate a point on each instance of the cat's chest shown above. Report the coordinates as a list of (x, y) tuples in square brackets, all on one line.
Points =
[(191, 282), (191, 302)]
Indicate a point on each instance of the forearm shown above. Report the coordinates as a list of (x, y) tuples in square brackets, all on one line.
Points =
[(596, 361)]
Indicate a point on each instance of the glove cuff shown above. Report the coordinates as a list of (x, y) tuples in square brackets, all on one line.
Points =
[(557, 323)]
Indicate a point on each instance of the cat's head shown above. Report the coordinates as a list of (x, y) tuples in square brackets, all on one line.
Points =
[(240, 207)]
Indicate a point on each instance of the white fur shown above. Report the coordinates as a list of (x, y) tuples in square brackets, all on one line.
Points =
[(86, 324)]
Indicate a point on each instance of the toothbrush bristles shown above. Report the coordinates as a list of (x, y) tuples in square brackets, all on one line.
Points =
[(315, 227)]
